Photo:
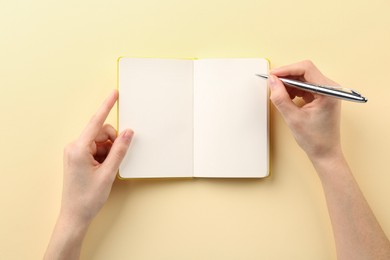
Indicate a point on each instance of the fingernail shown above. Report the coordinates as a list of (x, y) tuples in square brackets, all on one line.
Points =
[(272, 82), (128, 135)]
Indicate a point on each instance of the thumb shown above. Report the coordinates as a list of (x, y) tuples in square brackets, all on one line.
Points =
[(118, 151), (279, 96)]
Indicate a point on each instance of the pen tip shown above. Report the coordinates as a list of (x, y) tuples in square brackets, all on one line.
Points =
[(262, 76)]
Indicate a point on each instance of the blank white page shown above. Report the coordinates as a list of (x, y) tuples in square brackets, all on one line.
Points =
[(156, 101), (230, 118)]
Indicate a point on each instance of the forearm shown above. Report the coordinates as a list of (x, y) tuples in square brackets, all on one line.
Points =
[(66, 240), (357, 233)]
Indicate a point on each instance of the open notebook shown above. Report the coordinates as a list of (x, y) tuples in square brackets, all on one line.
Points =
[(194, 118)]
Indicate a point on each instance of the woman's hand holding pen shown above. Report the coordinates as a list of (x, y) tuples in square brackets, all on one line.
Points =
[(316, 128), (315, 124)]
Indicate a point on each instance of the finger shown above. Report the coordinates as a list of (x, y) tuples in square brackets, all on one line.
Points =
[(95, 124), (298, 69), (117, 153), (102, 150), (293, 92), (107, 132), (303, 71), (280, 97), (308, 97)]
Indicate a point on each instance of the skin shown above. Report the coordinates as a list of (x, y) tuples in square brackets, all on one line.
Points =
[(92, 161), (315, 125), (90, 167)]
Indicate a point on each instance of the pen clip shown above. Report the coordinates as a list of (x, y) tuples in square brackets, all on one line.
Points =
[(343, 89)]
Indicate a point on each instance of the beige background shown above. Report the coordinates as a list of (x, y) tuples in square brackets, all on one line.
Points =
[(58, 62)]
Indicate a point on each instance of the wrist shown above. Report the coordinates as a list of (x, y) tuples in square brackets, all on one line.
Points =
[(326, 156), (73, 227), (67, 239), (326, 159), (331, 166)]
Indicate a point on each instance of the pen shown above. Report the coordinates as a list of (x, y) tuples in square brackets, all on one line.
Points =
[(337, 92)]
